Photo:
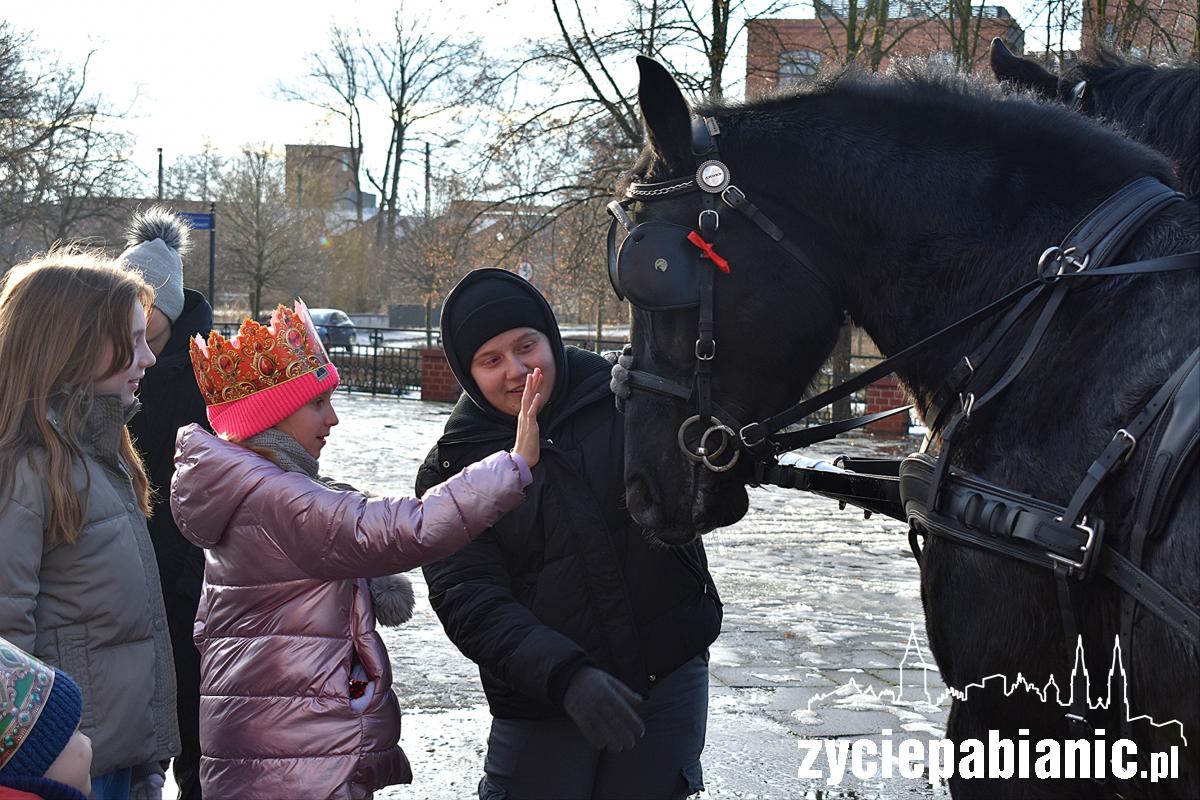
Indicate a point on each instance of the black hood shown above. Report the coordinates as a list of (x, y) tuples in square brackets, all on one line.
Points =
[(451, 312)]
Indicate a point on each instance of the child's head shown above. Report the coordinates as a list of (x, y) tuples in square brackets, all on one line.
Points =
[(276, 375), (156, 242), (72, 326), (40, 709), (69, 325)]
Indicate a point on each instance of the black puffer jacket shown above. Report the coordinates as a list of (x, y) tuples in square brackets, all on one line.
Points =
[(568, 578), (171, 399)]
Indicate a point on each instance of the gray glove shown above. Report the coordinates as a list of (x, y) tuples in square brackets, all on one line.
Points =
[(603, 708), (618, 383)]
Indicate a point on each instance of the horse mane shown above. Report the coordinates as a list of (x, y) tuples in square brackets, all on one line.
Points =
[(1159, 105), (914, 87)]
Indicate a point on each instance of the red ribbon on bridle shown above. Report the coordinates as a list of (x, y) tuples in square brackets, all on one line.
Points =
[(707, 250)]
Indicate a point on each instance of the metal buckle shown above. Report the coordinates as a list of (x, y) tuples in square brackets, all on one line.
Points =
[(966, 403), (712, 353), (1129, 437), (1086, 550), (1059, 259), (735, 192), (742, 434), (716, 220)]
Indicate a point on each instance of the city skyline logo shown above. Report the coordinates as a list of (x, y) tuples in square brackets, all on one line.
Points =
[(928, 700)]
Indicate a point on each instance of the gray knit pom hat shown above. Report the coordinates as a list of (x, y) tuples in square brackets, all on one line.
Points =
[(155, 243)]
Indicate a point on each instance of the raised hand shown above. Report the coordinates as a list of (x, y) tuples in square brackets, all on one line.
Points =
[(527, 445)]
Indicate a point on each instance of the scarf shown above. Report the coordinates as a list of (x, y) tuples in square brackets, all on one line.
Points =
[(285, 451)]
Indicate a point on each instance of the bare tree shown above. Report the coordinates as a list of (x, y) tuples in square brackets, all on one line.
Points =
[(865, 31), (257, 238), (340, 78), (196, 176), (420, 75), (62, 153)]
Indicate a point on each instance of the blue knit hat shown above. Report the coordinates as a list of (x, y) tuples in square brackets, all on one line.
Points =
[(40, 709)]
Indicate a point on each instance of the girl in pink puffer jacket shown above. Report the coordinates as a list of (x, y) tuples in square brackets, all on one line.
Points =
[(296, 695)]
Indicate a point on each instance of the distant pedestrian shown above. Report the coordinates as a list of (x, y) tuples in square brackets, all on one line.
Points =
[(79, 584), (296, 684), (157, 241), (43, 754), (591, 642)]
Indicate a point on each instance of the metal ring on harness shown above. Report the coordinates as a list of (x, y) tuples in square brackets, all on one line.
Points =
[(727, 435), (687, 423), (1057, 257)]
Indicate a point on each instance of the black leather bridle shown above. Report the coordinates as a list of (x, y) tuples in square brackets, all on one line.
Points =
[(661, 266)]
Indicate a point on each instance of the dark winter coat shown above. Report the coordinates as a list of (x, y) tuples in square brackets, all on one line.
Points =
[(568, 578), (171, 399)]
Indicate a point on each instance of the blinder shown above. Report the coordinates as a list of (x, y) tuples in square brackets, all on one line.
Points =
[(654, 266)]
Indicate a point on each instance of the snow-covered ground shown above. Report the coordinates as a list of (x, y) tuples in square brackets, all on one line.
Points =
[(819, 607)]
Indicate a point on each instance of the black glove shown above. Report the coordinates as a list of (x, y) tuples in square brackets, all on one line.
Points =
[(602, 707), (619, 381)]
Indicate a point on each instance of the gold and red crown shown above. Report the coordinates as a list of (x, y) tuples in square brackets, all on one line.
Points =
[(259, 357)]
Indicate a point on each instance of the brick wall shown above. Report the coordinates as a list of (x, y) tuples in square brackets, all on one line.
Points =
[(768, 38), (883, 394), (437, 380)]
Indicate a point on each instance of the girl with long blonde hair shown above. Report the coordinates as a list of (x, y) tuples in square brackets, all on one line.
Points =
[(79, 585)]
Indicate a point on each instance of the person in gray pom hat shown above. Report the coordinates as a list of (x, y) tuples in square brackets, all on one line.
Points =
[(156, 242)]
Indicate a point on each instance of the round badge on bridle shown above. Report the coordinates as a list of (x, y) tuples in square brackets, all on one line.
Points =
[(712, 177)]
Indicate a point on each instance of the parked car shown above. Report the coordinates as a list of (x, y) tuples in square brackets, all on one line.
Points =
[(334, 327)]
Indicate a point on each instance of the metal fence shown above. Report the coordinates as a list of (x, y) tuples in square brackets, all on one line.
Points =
[(389, 362)]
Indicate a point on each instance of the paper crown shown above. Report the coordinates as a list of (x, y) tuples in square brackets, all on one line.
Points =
[(263, 374), (33, 695)]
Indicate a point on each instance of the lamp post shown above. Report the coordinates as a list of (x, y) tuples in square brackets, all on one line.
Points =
[(429, 252)]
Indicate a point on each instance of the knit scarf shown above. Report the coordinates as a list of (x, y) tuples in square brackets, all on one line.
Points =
[(286, 451)]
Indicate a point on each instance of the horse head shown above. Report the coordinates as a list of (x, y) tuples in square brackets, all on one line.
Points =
[(1024, 73), (671, 235)]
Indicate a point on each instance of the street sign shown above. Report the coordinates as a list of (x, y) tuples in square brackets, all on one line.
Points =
[(197, 221), (525, 270)]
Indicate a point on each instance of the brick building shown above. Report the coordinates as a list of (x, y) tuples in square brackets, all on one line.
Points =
[(1157, 29), (781, 52), (319, 176)]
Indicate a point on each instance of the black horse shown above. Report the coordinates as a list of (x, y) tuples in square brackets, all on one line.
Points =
[(918, 199), (1159, 106)]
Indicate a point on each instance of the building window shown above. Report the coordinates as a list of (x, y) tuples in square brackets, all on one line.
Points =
[(797, 66)]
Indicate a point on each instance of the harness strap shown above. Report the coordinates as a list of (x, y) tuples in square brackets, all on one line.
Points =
[(1150, 594), (1076, 715), (980, 514), (736, 199), (1015, 368), (1118, 451), (1102, 233), (761, 431)]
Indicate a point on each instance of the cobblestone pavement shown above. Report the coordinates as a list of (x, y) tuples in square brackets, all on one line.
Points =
[(819, 607)]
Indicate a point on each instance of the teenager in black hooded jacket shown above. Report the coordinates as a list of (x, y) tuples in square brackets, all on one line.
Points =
[(591, 642)]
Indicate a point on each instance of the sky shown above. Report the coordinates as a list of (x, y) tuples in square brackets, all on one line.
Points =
[(190, 73)]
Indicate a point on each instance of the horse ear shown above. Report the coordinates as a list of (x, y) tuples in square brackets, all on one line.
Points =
[(667, 115), (1023, 73)]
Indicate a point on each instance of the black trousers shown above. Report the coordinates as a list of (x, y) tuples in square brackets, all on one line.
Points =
[(181, 617), (549, 759)]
